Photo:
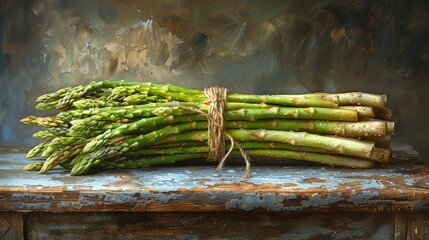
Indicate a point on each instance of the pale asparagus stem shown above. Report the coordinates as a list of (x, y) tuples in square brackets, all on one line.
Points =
[(361, 99)]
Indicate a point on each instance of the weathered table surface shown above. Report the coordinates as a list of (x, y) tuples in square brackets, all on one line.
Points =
[(401, 186), (397, 194)]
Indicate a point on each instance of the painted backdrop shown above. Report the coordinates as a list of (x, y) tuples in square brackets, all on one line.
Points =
[(247, 46)]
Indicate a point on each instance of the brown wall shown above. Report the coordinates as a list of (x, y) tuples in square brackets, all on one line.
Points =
[(247, 46)]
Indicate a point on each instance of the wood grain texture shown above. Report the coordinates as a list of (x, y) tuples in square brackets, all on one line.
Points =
[(412, 226), (242, 225), (15, 223), (400, 186)]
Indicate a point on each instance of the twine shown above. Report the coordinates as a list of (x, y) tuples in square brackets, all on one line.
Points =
[(216, 98)]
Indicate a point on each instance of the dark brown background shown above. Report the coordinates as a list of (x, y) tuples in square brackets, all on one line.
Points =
[(247, 46)]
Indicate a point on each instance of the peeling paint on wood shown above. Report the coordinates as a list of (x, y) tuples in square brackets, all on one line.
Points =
[(400, 186)]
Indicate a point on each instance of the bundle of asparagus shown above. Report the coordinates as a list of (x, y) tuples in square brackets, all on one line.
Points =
[(122, 124)]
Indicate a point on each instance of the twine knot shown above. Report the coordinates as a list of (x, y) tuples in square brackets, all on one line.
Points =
[(216, 98)]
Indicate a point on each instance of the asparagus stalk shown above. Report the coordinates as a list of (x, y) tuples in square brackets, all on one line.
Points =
[(60, 156), (348, 129), (60, 143), (326, 159), (100, 120), (46, 122), (127, 117), (144, 125), (52, 132), (63, 99), (150, 161), (345, 129), (343, 146), (37, 149), (66, 97), (336, 145), (363, 111), (305, 100), (36, 166), (192, 147), (361, 99), (331, 160), (86, 161), (382, 155)]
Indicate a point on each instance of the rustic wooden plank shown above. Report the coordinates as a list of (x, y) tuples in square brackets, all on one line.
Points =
[(401, 225), (210, 225), (412, 226), (11, 226), (400, 186)]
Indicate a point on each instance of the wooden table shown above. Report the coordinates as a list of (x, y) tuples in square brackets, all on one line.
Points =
[(283, 202)]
